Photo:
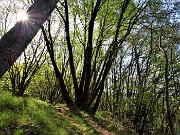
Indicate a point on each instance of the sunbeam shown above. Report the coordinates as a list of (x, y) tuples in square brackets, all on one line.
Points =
[(22, 16)]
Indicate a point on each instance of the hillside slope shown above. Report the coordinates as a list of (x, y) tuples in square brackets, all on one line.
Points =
[(28, 116)]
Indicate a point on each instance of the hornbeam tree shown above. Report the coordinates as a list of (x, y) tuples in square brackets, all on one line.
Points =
[(93, 37), (15, 41)]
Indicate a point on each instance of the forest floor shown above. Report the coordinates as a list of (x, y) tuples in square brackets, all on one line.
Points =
[(89, 120), (29, 116)]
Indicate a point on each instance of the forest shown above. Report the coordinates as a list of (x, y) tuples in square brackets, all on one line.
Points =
[(121, 57)]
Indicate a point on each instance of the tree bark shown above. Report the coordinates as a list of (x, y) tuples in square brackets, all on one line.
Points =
[(70, 49), (166, 77), (58, 74), (88, 55), (15, 41)]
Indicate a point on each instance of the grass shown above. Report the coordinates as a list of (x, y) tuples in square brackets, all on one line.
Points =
[(104, 119), (29, 116)]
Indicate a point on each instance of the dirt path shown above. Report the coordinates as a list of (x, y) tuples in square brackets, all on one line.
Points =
[(91, 122), (99, 129), (88, 120)]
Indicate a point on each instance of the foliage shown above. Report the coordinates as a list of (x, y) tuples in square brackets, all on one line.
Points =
[(31, 116), (119, 57)]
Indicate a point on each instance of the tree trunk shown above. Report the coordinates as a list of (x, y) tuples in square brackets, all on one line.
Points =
[(166, 77), (15, 41), (58, 74), (70, 49)]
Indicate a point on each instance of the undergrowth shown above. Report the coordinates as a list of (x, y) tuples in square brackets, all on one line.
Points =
[(29, 116)]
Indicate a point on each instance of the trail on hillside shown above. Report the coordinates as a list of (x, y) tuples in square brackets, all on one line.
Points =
[(88, 120), (97, 127)]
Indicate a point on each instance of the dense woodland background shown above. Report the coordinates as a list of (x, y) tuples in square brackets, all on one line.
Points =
[(120, 56)]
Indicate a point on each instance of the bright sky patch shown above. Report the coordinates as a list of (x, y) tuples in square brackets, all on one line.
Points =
[(22, 16)]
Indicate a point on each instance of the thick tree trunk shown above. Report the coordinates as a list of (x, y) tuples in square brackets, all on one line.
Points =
[(15, 41)]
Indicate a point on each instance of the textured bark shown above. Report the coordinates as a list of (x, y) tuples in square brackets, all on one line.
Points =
[(15, 41)]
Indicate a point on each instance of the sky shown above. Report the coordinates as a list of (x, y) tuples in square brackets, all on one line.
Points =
[(9, 10)]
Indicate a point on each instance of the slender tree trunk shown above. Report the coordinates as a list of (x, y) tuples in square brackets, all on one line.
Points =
[(58, 74), (15, 41), (169, 114), (88, 55), (71, 59), (95, 107)]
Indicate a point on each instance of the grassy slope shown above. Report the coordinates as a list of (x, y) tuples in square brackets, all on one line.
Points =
[(28, 116)]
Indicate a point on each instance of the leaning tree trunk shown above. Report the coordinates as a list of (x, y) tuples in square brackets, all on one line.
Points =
[(15, 41)]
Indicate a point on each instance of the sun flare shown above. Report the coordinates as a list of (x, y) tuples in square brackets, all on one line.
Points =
[(22, 16)]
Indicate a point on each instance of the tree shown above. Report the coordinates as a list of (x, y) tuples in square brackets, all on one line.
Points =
[(146, 76), (99, 38), (23, 71), (124, 60), (14, 42)]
